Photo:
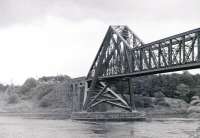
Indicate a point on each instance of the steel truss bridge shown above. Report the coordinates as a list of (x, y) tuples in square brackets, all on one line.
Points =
[(123, 56)]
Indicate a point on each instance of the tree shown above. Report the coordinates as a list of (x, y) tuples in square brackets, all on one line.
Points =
[(187, 78), (183, 92), (195, 91), (29, 84)]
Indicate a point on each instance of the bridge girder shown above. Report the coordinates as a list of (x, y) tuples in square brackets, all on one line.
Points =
[(123, 55)]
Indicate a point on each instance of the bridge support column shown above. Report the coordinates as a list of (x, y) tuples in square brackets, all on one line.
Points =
[(198, 45), (131, 92)]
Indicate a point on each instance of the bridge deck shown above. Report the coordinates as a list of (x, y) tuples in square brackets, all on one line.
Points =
[(153, 71)]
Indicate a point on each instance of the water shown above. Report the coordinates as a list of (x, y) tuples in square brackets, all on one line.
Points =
[(17, 127)]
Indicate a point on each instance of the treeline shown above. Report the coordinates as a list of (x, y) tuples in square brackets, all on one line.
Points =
[(182, 86)]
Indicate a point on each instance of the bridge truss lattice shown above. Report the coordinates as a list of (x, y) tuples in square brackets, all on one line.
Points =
[(123, 56)]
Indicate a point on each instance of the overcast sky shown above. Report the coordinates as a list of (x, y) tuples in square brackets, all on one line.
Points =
[(53, 37)]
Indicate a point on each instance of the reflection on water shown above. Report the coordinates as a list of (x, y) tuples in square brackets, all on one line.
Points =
[(168, 128), (16, 127)]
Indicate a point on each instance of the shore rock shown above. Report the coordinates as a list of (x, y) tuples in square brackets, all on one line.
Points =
[(168, 106), (194, 115), (176, 103), (195, 98), (171, 106), (160, 99), (159, 95), (195, 102), (193, 109)]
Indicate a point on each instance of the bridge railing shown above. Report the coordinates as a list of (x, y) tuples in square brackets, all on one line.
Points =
[(176, 50)]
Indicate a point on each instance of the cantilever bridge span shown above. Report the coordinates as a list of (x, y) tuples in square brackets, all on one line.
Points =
[(123, 56)]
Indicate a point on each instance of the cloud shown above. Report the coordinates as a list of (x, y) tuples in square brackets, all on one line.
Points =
[(56, 46), (12, 11), (50, 37)]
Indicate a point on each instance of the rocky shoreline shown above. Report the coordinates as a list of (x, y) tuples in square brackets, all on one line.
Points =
[(171, 107)]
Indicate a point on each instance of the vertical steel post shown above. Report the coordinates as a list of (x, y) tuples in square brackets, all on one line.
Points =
[(193, 43), (170, 53), (198, 37), (150, 66), (131, 92), (141, 64), (183, 43), (180, 55), (159, 53)]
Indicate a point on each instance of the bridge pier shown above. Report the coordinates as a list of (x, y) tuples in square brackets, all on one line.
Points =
[(131, 92)]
